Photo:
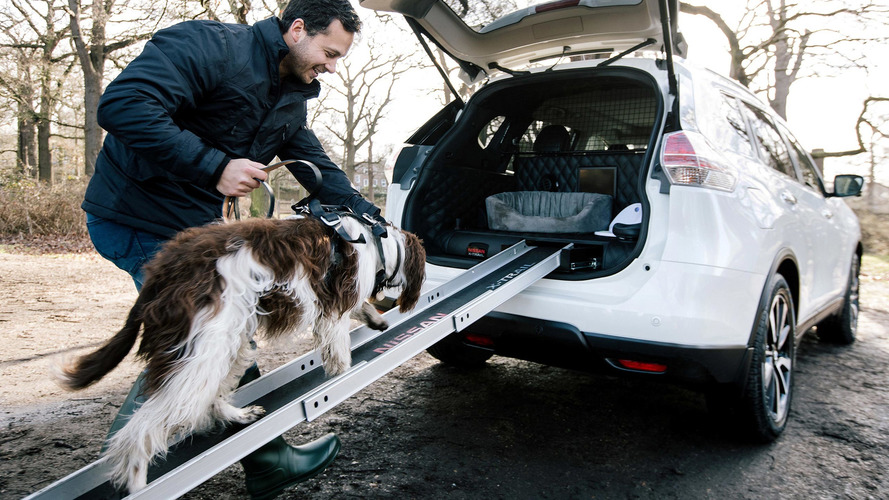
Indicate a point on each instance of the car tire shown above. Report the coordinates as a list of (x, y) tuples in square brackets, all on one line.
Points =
[(453, 351), (762, 410), (841, 327)]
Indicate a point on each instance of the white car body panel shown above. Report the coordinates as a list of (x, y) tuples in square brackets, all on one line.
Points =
[(523, 36)]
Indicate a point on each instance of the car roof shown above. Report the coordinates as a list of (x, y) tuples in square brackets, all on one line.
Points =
[(561, 28)]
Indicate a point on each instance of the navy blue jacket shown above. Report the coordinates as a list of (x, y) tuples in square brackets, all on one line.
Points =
[(200, 94)]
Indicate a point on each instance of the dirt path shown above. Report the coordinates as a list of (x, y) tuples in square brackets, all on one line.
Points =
[(512, 430)]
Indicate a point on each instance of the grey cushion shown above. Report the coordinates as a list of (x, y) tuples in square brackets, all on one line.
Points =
[(548, 212)]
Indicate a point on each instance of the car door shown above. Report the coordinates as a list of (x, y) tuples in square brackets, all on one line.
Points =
[(833, 245), (797, 224)]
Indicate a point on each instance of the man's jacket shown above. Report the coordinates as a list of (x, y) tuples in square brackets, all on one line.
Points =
[(200, 94)]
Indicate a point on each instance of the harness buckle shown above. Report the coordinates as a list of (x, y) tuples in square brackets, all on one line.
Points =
[(332, 219), (379, 230)]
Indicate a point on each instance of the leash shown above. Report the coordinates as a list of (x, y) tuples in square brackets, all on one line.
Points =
[(231, 211)]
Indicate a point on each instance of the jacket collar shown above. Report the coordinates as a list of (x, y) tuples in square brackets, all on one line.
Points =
[(269, 33)]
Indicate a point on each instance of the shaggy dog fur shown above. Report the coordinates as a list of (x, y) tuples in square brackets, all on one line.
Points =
[(205, 295)]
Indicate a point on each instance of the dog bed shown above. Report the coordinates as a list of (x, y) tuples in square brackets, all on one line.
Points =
[(548, 212)]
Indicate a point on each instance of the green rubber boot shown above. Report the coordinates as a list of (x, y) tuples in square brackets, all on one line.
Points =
[(270, 469), (276, 465)]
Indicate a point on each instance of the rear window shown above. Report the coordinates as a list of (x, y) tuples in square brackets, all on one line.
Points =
[(477, 15), (606, 118)]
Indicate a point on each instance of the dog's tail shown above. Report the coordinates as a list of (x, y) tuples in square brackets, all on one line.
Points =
[(90, 368)]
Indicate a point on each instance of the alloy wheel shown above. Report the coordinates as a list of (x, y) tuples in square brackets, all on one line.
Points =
[(777, 363)]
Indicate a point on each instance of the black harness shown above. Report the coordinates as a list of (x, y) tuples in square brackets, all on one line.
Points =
[(332, 216)]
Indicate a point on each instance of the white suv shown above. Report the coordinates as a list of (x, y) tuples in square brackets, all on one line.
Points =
[(705, 240)]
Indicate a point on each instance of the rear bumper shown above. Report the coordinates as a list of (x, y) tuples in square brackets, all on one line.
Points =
[(561, 344)]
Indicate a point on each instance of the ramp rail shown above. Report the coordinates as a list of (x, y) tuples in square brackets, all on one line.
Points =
[(299, 391)]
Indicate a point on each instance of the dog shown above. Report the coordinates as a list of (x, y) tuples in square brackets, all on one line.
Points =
[(207, 292)]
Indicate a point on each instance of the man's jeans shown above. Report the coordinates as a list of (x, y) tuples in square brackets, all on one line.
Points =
[(129, 249)]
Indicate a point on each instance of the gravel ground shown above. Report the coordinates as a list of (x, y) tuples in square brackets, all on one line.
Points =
[(511, 430)]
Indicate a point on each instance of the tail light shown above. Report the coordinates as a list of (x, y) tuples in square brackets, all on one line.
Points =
[(689, 160), (641, 366), (479, 340)]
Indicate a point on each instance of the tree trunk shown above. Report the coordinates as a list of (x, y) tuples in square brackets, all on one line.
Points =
[(782, 73), (871, 181), (92, 133), (44, 153), (92, 64), (349, 144), (26, 157), (370, 171)]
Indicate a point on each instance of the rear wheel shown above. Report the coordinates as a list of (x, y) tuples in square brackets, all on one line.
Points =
[(841, 328), (763, 409)]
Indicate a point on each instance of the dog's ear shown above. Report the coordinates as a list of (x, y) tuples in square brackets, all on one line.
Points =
[(414, 272)]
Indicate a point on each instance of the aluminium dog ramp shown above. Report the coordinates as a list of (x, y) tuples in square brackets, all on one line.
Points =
[(299, 391)]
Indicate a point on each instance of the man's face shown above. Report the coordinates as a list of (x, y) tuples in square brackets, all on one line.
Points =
[(312, 55)]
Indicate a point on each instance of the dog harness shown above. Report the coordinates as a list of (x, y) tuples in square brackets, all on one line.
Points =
[(332, 216)]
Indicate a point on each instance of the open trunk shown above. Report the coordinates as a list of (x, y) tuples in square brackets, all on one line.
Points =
[(550, 157)]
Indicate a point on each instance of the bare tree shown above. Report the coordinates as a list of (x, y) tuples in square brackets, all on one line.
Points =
[(33, 31), (17, 87), (872, 131), (776, 42), (357, 99), (238, 11), (873, 122), (93, 47)]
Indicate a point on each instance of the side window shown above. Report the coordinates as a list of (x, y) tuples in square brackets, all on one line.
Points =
[(488, 131), (725, 125), (771, 146), (810, 173), (526, 142)]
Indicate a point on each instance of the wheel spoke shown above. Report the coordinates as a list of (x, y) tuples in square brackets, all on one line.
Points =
[(782, 387), (773, 324), (782, 338), (768, 373), (778, 322), (783, 367)]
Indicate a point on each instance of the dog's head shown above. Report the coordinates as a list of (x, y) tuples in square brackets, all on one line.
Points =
[(405, 265)]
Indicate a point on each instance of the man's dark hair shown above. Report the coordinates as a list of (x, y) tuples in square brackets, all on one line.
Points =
[(318, 14)]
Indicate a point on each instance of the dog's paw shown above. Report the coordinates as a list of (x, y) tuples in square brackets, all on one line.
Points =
[(369, 315), (335, 365), (248, 414), (378, 325)]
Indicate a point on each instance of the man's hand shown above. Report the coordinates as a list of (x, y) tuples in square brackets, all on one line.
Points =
[(240, 176)]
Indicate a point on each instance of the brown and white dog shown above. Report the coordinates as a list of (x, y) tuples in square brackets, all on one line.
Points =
[(210, 289)]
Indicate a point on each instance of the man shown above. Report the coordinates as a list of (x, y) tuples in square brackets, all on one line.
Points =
[(193, 119)]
